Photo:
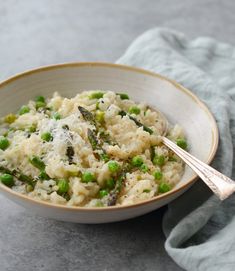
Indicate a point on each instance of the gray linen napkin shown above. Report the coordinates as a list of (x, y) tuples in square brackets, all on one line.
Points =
[(200, 230)]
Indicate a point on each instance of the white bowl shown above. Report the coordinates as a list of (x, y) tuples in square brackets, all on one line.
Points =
[(177, 103)]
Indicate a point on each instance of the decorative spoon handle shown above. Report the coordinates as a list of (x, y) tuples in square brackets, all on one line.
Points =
[(220, 184)]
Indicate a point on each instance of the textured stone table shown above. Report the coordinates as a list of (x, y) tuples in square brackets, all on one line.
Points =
[(34, 33)]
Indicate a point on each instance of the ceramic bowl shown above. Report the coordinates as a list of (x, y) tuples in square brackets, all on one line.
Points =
[(177, 103)]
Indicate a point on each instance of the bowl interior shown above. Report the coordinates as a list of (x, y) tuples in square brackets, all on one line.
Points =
[(177, 103)]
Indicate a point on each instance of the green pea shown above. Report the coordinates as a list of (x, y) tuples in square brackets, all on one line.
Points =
[(88, 177), (29, 188), (37, 162), (40, 105), (102, 193), (104, 156), (110, 183), (63, 186), (158, 175), (10, 118), (46, 136), (40, 99), (144, 168), (137, 161), (182, 143), (4, 143), (96, 95), (33, 128), (134, 110), (159, 160), (164, 187), (123, 96), (99, 116), (113, 166), (7, 179), (24, 109), (56, 116)]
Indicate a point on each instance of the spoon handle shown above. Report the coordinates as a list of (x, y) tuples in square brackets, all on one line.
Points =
[(220, 184)]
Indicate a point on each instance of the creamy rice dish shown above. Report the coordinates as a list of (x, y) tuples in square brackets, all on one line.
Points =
[(96, 149)]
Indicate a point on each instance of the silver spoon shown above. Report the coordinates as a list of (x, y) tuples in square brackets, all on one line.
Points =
[(220, 184)]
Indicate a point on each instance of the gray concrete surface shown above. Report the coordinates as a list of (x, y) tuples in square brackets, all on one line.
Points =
[(34, 33)]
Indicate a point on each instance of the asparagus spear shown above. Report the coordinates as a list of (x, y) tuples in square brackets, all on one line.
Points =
[(93, 140), (18, 175), (88, 116), (113, 195), (92, 137), (139, 124), (70, 153), (96, 146)]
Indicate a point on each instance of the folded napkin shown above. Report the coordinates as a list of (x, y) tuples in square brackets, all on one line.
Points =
[(200, 230)]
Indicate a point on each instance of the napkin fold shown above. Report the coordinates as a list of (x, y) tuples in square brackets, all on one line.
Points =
[(200, 230)]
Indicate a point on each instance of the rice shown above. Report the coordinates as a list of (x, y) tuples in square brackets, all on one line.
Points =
[(93, 150)]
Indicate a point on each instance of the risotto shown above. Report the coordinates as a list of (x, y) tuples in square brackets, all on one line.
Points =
[(97, 149)]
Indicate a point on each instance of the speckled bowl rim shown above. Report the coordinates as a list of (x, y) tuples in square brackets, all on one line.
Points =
[(215, 133)]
